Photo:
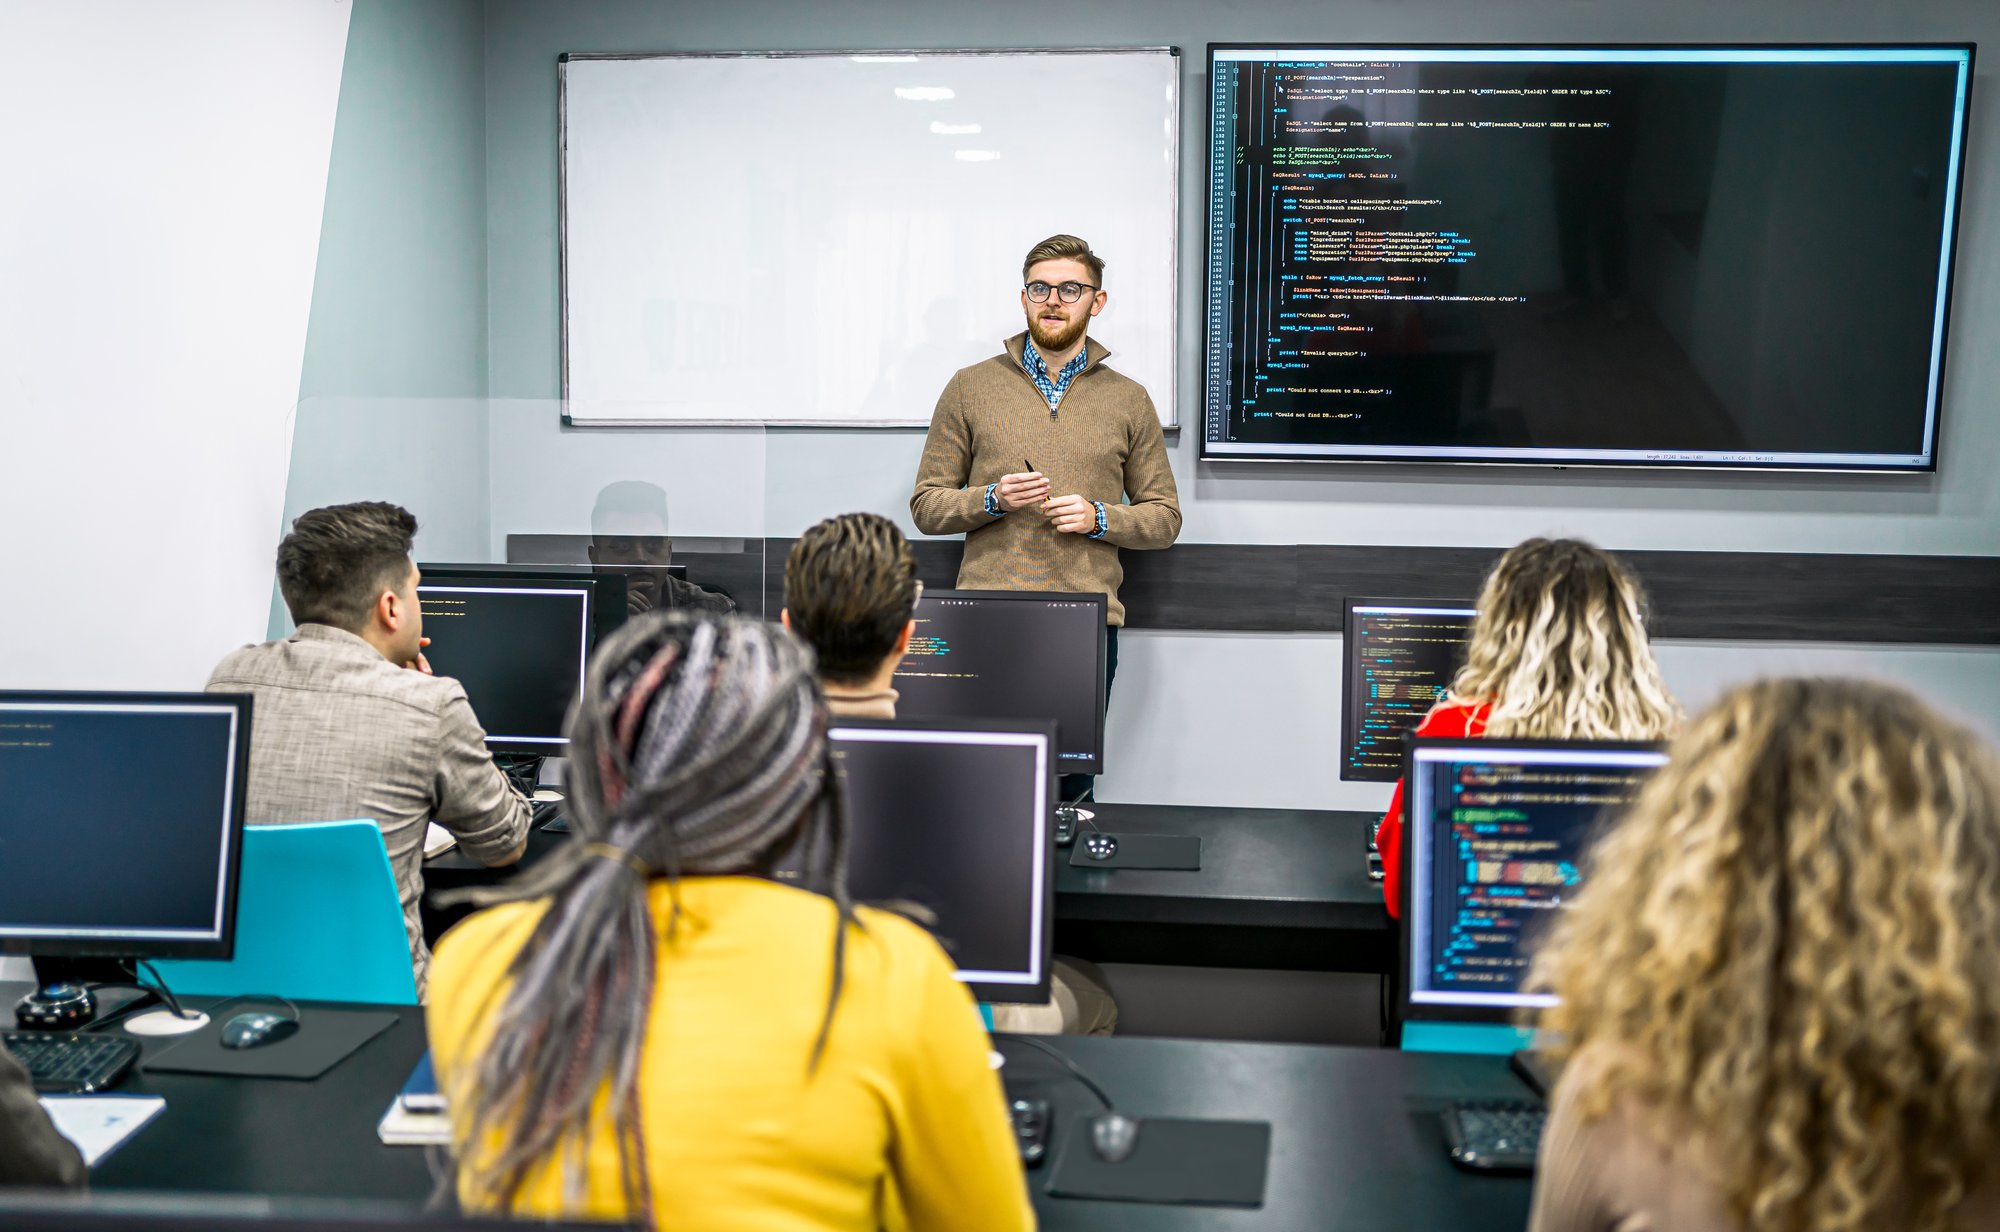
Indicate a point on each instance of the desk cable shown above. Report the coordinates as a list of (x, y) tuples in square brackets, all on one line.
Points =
[(1074, 1069)]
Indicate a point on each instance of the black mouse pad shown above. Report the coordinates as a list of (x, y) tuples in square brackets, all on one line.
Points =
[(324, 1039), (1180, 852), (1191, 1163)]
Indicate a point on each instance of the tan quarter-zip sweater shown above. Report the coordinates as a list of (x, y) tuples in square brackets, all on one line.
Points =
[(1103, 443)]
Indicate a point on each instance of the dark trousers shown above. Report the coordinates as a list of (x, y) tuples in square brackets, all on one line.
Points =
[(1076, 786)]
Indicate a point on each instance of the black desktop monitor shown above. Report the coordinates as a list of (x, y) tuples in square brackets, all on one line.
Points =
[(1006, 654), (1401, 656), (518, 639), (1493, 842), (956, 817), (1716, 255), (121, 823), (607, 586)]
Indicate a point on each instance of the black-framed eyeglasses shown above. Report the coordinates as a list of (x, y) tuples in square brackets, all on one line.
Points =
[(1070, 292)]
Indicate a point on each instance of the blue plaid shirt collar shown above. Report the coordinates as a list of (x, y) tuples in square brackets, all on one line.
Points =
[(1038, 371)]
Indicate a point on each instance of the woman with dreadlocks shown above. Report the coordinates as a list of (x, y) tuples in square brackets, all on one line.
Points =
[(649, 1026)]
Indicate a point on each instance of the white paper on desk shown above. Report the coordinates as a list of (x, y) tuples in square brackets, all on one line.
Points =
[(98, 1123), (438, 840)]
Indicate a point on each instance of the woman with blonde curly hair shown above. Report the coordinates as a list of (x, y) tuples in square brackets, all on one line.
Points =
[(1780, 985), (1558, 652)]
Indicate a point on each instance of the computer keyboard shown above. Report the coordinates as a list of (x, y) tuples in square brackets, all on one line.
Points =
[(1496, 1135), (70, 1064), (548, 815), (1031, 1129)]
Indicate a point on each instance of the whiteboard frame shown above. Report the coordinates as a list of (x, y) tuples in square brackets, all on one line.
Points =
[(1171, 424)]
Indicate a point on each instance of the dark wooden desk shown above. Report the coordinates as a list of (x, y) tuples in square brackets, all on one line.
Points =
[(1283, 889), (275, 1136), (1280, 889), (1355, 1140)]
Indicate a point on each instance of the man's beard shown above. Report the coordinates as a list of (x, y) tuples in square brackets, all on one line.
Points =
[(1053, 340)]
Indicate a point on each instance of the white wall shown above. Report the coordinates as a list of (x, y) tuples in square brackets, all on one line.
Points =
[(166, 167), (1221, 718), (1253, 719)]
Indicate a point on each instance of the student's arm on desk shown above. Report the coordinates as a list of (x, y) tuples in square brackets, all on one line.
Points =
[(474, 799), (952, 1142), (942, 504), (1153, 518), (31, 1151)]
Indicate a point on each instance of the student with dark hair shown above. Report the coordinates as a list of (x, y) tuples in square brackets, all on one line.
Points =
[(851, 591), (652, 1028), (851, 594), (350, 721)]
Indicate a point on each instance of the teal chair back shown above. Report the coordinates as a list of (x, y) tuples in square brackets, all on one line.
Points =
[(317, 919)]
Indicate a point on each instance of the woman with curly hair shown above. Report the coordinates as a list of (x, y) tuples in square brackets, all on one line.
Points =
[(651, 1027), (1780, 985), (1557, 652)]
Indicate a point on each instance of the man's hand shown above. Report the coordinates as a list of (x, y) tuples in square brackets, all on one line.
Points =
[(1021, 491), (421, 664), (1072, 515)]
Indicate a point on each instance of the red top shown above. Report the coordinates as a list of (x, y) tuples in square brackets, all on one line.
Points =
[(1450, 719)]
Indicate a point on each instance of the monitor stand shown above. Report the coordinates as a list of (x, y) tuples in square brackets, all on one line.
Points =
[(118, 993), (1535, 1069)]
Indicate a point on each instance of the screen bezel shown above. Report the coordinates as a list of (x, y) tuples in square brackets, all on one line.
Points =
[(1045, 837), (220, 947), (1948, 259), (1095, 763), (607, 613), (1407, 1009), (1350, 674)]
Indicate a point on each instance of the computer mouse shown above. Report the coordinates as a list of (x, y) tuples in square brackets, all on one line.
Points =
[(1099, 845), (1114, 1137), (257, 1029)]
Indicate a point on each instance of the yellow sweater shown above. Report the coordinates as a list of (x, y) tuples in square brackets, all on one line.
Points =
[(904, 1122)]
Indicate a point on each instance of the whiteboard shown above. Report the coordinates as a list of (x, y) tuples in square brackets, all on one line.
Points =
[(823, 239)]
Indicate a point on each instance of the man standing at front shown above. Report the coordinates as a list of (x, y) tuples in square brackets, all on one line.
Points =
[(1032, 454)]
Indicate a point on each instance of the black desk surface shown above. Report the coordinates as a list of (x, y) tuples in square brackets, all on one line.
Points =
[(1280, 868), (1277, 888), (1288, 868), (1355, 1138)]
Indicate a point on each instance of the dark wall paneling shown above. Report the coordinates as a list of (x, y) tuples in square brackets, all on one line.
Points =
[(1731, 596)]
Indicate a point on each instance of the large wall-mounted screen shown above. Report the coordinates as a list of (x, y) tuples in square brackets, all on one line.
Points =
[(1667, 256)]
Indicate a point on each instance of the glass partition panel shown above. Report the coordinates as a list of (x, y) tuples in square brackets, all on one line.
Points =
[(678, 513)]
